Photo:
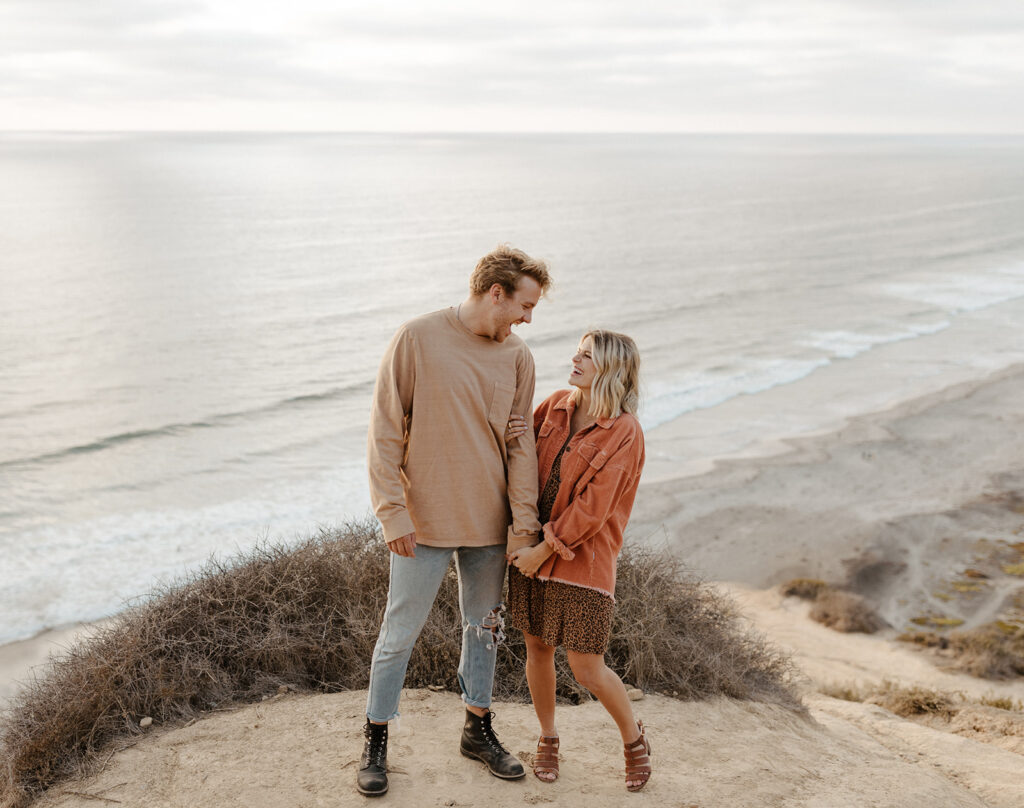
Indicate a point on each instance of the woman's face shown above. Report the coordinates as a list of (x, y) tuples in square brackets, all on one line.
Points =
[(583, 368)]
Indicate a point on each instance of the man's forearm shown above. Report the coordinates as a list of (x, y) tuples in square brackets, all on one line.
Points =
[(522, 495), (385, 451), (522, 467)]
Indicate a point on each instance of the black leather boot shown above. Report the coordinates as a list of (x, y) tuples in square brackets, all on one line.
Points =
[(480, 742), (372, 777)]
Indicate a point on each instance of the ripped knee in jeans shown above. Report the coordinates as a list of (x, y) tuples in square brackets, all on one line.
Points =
[(494, 623)]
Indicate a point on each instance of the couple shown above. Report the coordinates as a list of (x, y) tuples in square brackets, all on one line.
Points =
[(454, 469)]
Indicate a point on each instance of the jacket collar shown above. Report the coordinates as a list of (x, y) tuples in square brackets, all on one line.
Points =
[(569, 406)]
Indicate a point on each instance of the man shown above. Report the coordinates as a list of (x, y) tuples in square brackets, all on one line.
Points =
[(443, 482)]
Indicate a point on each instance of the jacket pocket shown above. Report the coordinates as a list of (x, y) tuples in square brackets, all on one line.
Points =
[(595, 456), (501, 405)]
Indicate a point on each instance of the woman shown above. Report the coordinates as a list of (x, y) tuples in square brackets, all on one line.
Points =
[(590, 452)]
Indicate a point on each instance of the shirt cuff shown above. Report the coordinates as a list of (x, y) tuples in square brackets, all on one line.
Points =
[(556, 543), (515, 542), (397, 525)]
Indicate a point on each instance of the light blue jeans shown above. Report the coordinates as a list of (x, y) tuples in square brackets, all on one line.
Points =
[(411, 593)]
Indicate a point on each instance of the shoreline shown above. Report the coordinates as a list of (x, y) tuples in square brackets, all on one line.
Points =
[(894, 503), (817, 505)]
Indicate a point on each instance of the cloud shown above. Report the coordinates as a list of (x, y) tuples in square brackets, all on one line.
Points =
[(674, 62)]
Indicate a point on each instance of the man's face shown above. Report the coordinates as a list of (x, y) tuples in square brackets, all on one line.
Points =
[(510, 310)]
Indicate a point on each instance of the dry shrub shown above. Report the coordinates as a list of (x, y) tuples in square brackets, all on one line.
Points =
[(805, 588), (675, 634), (911, 701), (1001, 703), (927, 639), (836, 608), (844, 692), (307, 616), (992, 651), (845, 611)]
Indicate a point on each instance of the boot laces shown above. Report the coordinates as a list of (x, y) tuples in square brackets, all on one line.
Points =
[(488, 732), (376, 743)]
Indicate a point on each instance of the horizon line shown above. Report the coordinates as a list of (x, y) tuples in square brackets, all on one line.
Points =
[(788, 133)]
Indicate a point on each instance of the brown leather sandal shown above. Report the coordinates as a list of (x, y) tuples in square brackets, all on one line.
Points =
[(638, 760), (545, 762)]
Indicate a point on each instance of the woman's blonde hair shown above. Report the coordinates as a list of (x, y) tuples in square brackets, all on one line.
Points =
[(616, 386)]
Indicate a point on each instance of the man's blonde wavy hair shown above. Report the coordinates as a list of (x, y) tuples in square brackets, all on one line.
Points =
[(506, 266), (616, 386)]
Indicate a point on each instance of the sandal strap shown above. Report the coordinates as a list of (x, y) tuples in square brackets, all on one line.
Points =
[(546, 759), (638, 758), (547, 749)]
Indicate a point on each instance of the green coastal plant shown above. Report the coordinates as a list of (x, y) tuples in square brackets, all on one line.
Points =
[(306, 617), (935, 621)]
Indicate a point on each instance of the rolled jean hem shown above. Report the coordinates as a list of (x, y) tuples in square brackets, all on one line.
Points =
[(373, 720), (470, 703)]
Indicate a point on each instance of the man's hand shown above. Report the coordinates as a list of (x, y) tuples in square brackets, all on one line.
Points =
[(529, 559), (404, 546)]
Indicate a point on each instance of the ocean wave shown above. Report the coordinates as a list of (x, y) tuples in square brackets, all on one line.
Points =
[(179, 429), (566, 337), (702, 390), (848, 344), (965, 293), (84, 571), (716, 385)]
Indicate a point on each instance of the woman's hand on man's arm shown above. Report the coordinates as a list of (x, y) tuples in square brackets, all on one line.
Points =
[(516, 427)]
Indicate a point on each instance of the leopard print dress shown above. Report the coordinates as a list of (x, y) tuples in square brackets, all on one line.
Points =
[(559, 613)]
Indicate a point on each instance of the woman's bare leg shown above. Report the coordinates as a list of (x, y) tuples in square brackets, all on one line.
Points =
[(591, 671), (540, 674)]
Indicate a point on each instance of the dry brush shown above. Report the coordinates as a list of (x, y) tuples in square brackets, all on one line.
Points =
[(307, 615)]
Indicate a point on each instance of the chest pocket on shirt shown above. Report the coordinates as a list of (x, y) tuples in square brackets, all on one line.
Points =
[(593, 454), (501, 405)]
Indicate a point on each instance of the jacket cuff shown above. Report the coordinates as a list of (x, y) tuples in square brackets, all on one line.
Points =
[(556, 543), (397, 525)]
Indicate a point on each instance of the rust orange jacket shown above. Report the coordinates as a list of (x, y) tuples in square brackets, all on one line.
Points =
[(600, 473)]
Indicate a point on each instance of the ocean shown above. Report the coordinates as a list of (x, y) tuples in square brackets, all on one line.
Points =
[(190, 324)]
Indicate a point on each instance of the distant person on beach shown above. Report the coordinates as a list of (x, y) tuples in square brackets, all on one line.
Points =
[(590, 450), (444, 482)]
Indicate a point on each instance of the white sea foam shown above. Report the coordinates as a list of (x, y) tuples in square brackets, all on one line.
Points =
[(666, 401), (90, 570), (963, 293), (848, 344)]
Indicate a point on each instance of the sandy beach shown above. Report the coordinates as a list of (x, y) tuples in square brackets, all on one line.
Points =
[(897, 505)]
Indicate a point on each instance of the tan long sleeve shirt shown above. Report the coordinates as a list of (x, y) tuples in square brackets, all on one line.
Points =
[(437, 457)]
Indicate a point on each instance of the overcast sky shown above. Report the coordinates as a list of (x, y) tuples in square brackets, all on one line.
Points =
[(668, 65)]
